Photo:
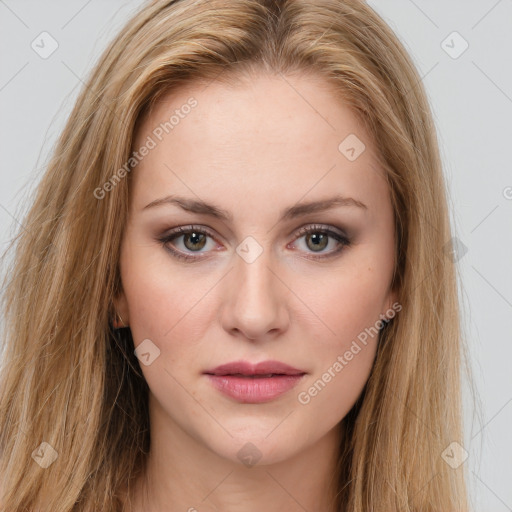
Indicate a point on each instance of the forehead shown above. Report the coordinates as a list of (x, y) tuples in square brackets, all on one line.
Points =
[(286, 133)]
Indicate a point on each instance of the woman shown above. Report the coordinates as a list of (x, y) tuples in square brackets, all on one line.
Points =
[(233, 290)]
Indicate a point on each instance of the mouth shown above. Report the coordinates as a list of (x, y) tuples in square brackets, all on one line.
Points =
[(254, 383)]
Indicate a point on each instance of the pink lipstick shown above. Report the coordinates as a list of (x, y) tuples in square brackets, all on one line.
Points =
[(254, 383)]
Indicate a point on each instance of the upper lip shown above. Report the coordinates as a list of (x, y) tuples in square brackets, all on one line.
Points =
[(247, 368)]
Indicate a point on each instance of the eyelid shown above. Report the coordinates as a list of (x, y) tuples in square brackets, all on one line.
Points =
[(308, 228)]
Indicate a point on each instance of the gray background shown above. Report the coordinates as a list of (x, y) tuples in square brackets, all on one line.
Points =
[(471, 96)]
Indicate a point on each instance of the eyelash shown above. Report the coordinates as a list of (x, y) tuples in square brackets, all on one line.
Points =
[(315, 228)]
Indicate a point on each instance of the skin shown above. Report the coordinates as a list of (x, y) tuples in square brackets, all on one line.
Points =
[(253, 150)]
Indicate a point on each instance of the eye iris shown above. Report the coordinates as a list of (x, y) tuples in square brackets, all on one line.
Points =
[(195, 244), (320, 240)]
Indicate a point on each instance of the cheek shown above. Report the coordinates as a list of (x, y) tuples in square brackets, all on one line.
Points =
[(346, 301), (167, 305), (349, 312), (345, 330), (345, 345)]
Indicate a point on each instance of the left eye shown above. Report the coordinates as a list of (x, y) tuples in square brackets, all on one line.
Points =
[(195, 239), (317, 238)]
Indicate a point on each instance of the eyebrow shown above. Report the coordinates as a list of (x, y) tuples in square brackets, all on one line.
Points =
[(298, 210)]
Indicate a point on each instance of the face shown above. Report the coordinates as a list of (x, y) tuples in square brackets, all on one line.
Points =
[(256, 276)]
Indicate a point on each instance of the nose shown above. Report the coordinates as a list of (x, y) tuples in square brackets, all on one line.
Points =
[(255, 304)]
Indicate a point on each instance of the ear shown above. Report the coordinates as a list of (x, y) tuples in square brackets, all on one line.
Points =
[(121, 310), (392, 298)]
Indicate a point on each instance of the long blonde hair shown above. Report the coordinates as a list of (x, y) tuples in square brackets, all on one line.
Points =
[(67, 380)]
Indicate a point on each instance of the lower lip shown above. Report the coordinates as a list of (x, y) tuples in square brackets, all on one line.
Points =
[(254, 390)]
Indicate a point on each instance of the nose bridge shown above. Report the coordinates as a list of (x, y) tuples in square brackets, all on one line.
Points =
[(256, 301), (254, 277)]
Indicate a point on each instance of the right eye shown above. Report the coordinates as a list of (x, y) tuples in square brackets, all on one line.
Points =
[(194, 237)]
